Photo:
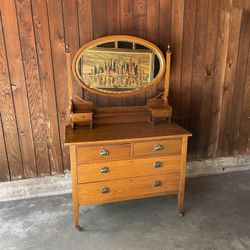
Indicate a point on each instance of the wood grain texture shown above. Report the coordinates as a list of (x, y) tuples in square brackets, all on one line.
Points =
[(4, 165), (10, 147), (208, 78), (19, 90), (44, 57), (198, 71), (29, 55), (176, 47), (70, 17), (220, 66), (209, 87), (240, 86), (230, 74), (187, 60), (56, 29)]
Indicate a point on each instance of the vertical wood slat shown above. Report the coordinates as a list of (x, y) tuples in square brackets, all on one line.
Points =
[(18, 85), (28, 49), (153, 31), (176, 47), (4, 166), (42, 36), (165, 13), (187, 60), (220, 66), (244, 144), (9, 139), (56, 29), (207, 85), (85, 27), (230, 71), (239, 86), (70, 16), (198, 71)]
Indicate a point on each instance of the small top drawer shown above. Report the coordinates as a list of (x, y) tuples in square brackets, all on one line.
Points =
[(102, 153), (172, 146)]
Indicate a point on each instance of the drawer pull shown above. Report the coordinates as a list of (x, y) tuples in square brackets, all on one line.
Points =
[(157, 183), (105, 190), (158, 147), (157, 164), (104, 152), (104, 170)]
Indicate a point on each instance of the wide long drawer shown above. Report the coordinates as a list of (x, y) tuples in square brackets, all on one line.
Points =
[(103, 153), (124, 189), (128, 168), (157, 147)]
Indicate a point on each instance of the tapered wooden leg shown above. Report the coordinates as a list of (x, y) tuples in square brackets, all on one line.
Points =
[(182, 177), (74, 187)]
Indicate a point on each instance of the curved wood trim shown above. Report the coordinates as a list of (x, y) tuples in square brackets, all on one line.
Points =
[(106, 39)]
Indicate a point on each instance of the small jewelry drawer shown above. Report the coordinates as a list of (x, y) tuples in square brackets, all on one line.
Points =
[(102, 171), (103, 153), (130, 188), (160, 147)]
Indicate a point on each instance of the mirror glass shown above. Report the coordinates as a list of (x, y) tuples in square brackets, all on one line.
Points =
[(118, 67)]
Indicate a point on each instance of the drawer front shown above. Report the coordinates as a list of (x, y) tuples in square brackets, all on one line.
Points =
[(124, 189), (159, 147), (103, 153), (130, 168)]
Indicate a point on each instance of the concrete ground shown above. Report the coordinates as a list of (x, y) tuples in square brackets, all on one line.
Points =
[(217, 217)]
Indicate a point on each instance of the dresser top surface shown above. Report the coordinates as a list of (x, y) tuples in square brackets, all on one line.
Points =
[(122, 133)]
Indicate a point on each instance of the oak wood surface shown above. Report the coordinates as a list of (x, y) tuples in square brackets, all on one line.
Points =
[(124, 189), (92, 154), (116, 133), (145, 148), (128, 168)]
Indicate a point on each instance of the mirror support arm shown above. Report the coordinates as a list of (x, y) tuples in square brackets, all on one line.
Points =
[(167, 73), (69, 80)]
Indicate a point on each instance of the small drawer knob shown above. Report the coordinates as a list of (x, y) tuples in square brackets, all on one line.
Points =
[(104, 152), (158, 147), (105, 190), (157, 164), (104, 170), (157, 183)]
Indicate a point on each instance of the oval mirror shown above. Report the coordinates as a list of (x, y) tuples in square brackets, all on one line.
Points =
[(118, 65)]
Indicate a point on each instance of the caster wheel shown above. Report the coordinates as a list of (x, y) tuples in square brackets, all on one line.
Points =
[(181, 214), (79, 228)]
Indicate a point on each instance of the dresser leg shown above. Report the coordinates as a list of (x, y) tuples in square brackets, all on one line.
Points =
[(76, 217), (180, 203)]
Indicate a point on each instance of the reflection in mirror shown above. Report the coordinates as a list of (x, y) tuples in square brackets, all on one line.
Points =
[(117, 67)]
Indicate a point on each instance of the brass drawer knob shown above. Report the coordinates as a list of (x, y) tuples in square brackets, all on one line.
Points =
[(105, 190), (158, 147), (157, 164), (104, 170), (157, 183), (104, 152)]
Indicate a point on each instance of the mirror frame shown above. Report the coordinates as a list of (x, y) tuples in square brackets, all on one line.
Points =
[(122, 38)]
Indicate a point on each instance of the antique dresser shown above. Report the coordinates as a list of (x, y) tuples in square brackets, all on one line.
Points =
[(123, 153)]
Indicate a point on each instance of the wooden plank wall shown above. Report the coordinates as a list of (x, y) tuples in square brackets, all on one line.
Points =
[(210, 81)]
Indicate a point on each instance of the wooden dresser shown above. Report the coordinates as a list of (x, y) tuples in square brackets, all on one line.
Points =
[(126, 161)]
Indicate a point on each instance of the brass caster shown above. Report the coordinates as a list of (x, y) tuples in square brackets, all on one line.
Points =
[(79, 228), (181, 214)]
